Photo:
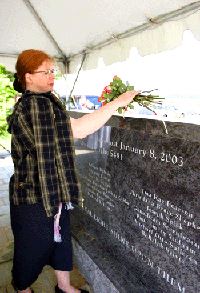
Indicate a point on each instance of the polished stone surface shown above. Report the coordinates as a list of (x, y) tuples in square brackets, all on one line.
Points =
[(94, 276), (140, 221)]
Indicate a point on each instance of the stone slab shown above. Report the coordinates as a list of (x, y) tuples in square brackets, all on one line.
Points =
[(140, 219)]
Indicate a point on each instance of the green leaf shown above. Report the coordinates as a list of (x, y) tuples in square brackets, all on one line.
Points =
[(106, 96), (131, 106), (130, 88), (120, 110), (122, 89)]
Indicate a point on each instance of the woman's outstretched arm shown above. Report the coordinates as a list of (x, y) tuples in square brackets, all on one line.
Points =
[(90, 123)]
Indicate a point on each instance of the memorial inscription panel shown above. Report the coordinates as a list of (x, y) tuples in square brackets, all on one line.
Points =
[(141, 211)]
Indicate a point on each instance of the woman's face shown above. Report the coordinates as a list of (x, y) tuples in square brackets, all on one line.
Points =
[(42, 79)]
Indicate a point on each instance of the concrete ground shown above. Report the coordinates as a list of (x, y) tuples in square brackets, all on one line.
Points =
[(46, 281)]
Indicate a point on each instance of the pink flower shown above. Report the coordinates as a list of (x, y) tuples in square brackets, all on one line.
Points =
[(101, 99), (107, 89)]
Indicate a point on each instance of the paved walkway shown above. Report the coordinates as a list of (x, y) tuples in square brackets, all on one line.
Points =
[(46, 281)]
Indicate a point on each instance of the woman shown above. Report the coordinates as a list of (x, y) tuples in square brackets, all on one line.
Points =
[(44, 182)]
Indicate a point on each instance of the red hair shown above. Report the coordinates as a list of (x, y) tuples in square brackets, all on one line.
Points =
[(28, 61)]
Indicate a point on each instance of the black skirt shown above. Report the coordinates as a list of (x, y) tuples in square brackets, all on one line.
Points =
[(34, 245)]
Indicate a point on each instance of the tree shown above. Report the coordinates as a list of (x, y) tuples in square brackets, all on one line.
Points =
[(7, 94)]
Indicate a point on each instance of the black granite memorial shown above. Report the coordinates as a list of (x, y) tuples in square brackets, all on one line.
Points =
[(140, 219)]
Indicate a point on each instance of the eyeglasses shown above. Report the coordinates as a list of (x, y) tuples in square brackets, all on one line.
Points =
[(47, 72)]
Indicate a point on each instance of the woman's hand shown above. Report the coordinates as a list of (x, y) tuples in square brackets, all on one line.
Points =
[(90, 123), (126, 98)]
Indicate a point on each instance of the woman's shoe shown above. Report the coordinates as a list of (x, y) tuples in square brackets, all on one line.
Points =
[(58, 290)]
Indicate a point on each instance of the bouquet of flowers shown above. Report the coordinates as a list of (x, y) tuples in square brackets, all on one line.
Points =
[(117, 87)]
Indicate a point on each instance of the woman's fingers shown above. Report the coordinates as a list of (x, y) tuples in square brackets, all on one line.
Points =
[(125, 98)]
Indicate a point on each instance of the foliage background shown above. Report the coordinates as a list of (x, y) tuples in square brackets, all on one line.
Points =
[(7, 100)]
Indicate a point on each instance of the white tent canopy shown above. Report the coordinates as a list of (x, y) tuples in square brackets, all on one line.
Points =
[(100, 28)]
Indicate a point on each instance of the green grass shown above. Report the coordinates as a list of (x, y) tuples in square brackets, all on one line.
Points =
[(5, 142)]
